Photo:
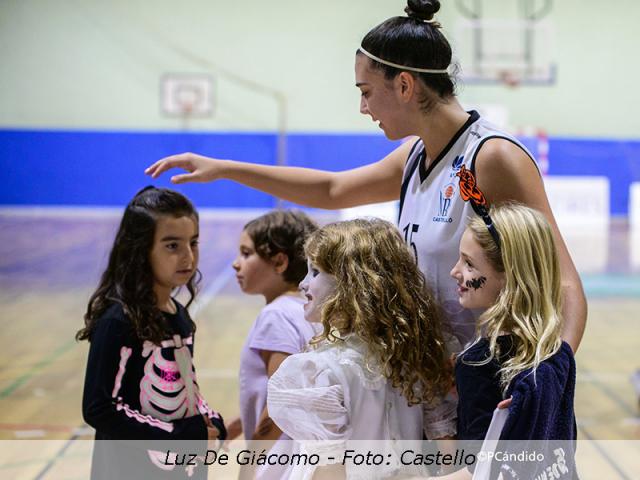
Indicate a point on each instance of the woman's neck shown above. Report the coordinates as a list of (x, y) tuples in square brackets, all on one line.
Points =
[(438, 127)]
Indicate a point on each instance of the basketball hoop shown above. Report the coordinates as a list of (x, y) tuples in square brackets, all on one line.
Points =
[(514, 49), (509, 78), (186, 96)]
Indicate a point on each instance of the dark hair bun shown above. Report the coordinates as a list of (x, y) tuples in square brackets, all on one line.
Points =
[(422, 9)]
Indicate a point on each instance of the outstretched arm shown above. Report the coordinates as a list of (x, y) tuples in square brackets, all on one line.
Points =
[(506, 173), (377, 182)]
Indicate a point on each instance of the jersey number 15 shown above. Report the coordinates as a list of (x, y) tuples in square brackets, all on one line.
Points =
[(409, 230)]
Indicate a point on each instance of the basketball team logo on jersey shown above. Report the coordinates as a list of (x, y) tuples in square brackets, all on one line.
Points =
[(446, 195), (457, 162)]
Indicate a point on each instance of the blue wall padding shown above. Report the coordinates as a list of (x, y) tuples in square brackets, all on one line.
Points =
[(619, 160), (106, 168)]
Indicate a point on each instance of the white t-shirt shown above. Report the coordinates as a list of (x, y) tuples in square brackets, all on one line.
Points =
[(280, 327)]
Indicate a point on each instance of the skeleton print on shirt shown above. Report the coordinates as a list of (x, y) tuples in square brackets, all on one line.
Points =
[(164, 393)]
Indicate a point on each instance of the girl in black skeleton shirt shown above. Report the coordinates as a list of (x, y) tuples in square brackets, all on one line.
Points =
[(140, 382)]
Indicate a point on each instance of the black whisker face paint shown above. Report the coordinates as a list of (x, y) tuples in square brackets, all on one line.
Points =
[(476, 283)]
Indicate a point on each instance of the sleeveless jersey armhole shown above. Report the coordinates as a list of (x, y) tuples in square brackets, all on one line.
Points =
[(516, 143), (409, 174)]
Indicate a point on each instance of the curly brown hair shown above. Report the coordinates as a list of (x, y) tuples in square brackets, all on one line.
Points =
[(381, 296)]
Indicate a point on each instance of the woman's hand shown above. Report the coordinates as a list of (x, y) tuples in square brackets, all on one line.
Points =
[(201, 169)]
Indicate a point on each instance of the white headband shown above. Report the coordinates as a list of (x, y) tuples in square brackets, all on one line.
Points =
[(402, 67)]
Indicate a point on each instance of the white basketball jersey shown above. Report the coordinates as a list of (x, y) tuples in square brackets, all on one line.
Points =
[(433, 216)]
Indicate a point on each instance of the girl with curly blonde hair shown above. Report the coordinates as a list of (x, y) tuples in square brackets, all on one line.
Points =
[(381, 353)]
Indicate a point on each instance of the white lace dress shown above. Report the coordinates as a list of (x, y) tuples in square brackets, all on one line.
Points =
[(331, 395)]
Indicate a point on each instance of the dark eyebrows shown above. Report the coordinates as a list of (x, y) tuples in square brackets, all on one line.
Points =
[(174, 239), (360, 84)]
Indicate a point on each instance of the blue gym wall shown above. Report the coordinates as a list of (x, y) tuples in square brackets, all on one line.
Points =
[(83, 168)]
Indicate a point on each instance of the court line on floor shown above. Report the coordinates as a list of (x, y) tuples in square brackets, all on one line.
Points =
[(629, 410), (23, 430), (18, 382), (602, 376), (621, 474), (207, 296), (622, 404), (203, 301), (57, 456)]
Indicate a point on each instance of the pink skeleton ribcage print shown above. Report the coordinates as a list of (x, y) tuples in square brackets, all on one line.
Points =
[(168, 390)]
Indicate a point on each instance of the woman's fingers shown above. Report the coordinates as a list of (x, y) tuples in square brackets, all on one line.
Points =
[(183, 160)]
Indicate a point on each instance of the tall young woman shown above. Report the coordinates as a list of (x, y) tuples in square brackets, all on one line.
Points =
[(403, 70)]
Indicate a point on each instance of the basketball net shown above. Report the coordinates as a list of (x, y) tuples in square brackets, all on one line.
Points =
[(510, 78)]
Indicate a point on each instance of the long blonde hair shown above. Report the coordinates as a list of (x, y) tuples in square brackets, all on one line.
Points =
[(381, 297), (529, 305)]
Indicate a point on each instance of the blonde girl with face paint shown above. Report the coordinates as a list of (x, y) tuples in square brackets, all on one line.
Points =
[(380, 355), (512, 276)]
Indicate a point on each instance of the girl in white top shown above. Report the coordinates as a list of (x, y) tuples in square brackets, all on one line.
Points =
[(379, 356), (270, 262)]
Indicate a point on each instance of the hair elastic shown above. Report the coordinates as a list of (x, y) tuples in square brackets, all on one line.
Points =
[(412, 14), (403, 67), (433, 20)]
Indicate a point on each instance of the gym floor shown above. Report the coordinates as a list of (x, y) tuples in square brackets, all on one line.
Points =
[(50, 263)]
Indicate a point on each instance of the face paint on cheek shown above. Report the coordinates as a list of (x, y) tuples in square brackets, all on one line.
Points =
[(476, 283)]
